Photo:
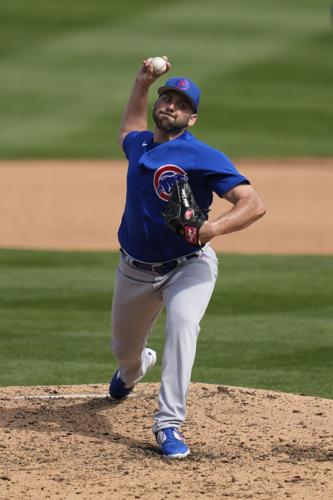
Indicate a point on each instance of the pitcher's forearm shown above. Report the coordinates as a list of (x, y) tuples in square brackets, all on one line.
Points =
[(135, 116), (244, 213)]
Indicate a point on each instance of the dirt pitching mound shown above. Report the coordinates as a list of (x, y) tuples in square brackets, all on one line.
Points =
[(245, 443)]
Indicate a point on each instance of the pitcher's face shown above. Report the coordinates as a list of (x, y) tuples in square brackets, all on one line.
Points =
[(173, 112)]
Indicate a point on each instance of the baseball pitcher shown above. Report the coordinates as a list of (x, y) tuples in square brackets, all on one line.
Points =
[(166, 260)]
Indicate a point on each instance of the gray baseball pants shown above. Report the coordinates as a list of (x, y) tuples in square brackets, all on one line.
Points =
[(139, 297)]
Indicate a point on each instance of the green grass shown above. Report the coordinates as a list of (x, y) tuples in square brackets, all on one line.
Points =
[(268, 325), (264, 68)]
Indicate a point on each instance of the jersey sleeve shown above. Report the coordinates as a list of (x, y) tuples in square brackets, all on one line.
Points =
[(128, 143), (222, 184), (223, 177)]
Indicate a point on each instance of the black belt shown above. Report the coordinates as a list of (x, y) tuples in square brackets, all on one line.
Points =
[(160, 269)]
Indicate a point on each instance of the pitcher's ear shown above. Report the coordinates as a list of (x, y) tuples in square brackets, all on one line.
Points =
[(193, 120)]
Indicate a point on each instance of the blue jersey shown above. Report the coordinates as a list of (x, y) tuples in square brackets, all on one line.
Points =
[(152, 170)]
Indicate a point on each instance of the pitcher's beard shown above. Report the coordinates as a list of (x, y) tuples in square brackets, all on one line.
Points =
[(172, 128)]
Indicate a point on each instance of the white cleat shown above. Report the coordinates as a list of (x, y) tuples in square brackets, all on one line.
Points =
[(152, 358)]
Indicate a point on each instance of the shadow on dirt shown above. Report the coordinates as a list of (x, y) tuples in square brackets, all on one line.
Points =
[(84, 419), (295, 453)]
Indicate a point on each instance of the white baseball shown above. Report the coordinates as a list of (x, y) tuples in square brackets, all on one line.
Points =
[(159, 65)]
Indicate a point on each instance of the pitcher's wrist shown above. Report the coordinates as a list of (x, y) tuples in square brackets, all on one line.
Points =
[(207, 232)]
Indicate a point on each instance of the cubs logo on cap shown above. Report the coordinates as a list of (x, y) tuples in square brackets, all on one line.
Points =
[(184, 86)]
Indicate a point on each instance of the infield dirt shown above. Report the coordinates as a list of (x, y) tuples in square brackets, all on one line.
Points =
[(245, 443), (78, 205)]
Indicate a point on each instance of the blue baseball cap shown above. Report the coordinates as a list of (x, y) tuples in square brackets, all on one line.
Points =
[(184, 86)]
